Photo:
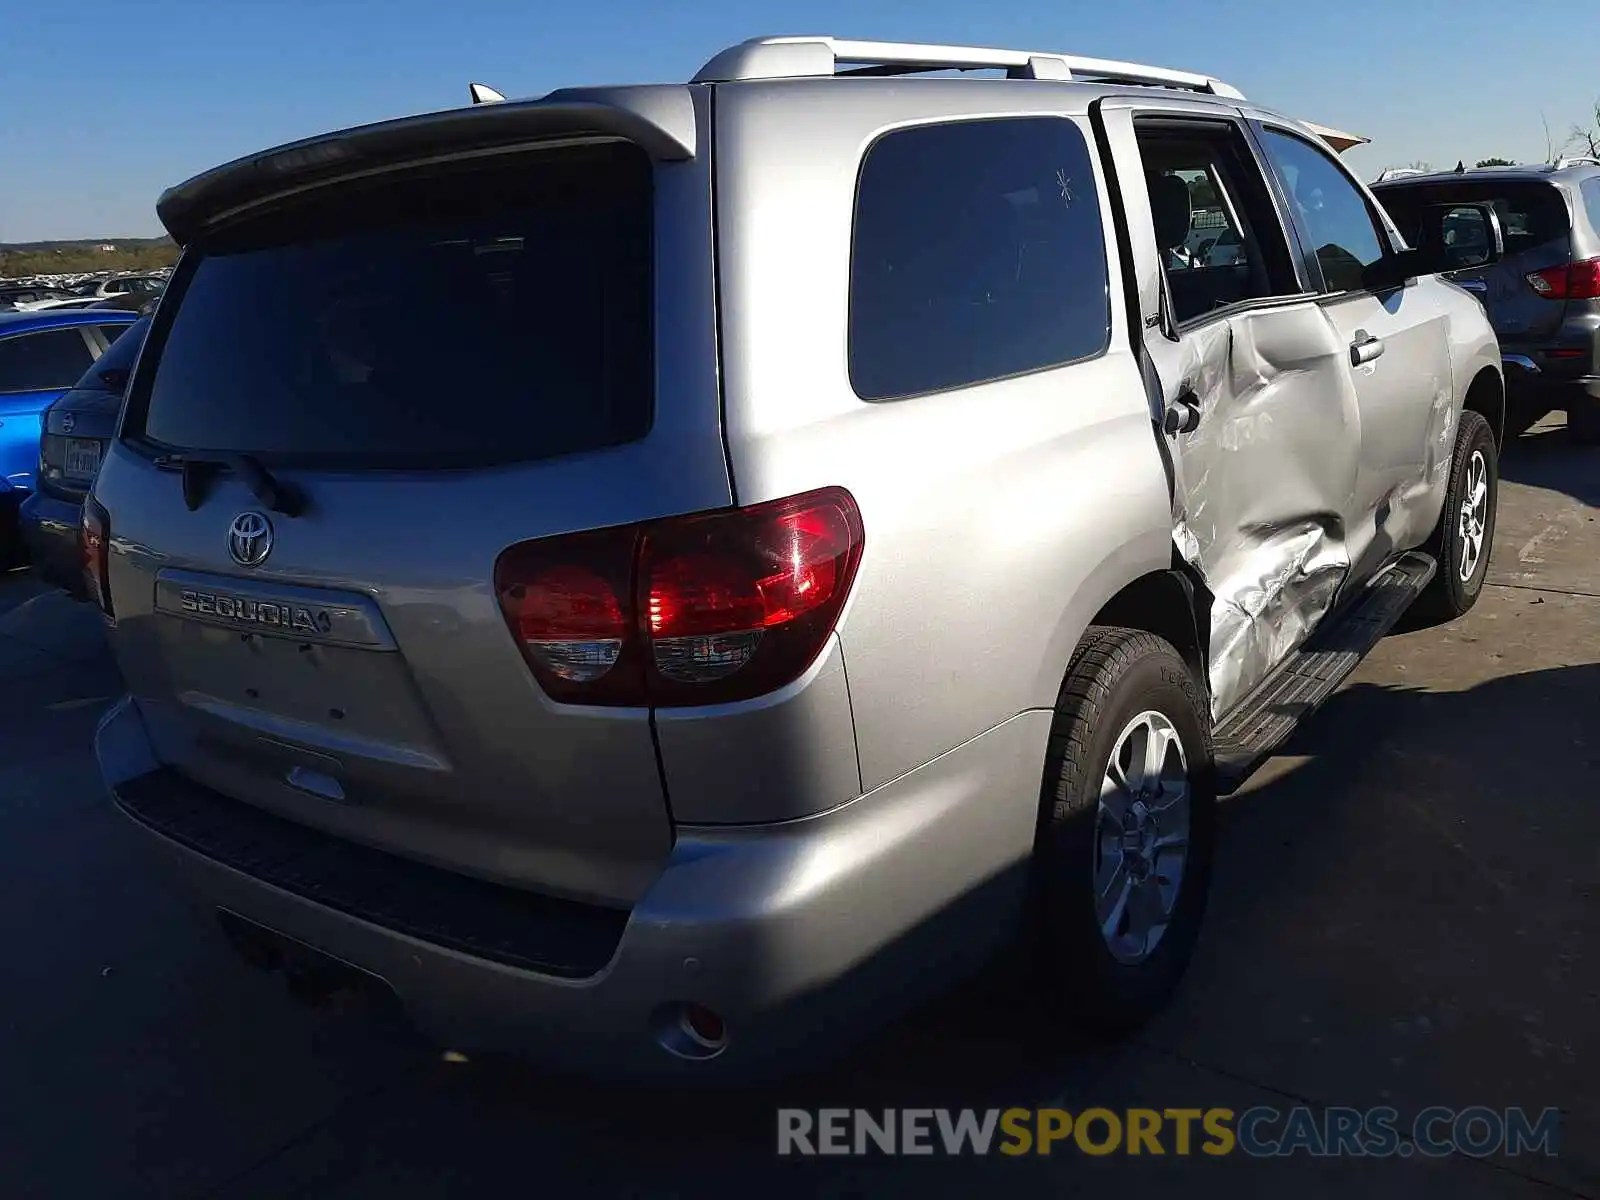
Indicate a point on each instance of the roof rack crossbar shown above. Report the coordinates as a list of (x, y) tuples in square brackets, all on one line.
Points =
[(1574, 160), (788, 57)]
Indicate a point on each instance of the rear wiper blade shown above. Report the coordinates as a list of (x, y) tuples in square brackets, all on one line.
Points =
[(275, 494)]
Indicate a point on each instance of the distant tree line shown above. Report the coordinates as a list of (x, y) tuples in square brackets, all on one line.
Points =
[(77, 258)]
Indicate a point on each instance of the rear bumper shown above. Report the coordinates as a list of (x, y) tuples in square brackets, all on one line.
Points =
[(1527, 383), (795, 934), (49, 529), (1571, 356)]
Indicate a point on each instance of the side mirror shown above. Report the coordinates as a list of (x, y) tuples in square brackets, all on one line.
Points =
[(1455, 237)]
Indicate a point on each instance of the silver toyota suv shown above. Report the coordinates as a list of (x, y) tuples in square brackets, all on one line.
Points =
[(659, 576)]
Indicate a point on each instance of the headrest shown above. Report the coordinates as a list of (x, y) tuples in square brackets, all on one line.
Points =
[(1169, 205)]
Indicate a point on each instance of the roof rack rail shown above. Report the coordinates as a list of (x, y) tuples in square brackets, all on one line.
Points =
[(1575, 160), (788, 57)]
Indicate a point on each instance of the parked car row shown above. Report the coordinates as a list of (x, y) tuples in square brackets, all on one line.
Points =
[(735, 625), (117, 291)]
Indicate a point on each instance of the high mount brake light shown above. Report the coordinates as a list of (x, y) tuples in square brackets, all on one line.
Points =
[(702, 609)]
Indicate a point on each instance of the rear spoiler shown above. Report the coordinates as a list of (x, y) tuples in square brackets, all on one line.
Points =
[(660, 119), (1337, 138)]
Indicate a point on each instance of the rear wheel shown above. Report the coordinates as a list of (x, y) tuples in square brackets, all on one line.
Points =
[(1125, 838), (1464, 537)]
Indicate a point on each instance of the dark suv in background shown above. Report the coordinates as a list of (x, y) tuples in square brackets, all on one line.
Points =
[(1543, 296)]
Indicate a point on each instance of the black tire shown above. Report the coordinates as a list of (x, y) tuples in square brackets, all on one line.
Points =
[(1115, 676), (1450, 596), (1583, 418), (10, 537)]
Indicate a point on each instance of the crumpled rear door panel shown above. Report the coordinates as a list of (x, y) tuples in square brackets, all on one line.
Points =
[(1264, 485)]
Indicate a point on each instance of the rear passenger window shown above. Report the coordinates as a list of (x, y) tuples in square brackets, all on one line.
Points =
[(44, 361), (978, 254)]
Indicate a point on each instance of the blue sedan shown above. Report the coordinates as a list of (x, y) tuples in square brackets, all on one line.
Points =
[(42, 354)]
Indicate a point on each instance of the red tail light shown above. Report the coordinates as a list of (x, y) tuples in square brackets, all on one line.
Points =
[(1576, 281), (694, 610), (568, 602), (94, 543)]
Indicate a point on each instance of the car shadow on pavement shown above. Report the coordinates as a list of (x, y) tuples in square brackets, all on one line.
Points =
[(1405, 912), (1403, 915), (1545, 457)]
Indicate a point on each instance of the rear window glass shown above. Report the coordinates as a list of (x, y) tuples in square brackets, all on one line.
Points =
[(978, 253), (458, 318), (1530, 213)]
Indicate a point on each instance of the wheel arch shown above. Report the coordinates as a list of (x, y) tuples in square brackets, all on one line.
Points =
[(1486, 396), (1174, 604)]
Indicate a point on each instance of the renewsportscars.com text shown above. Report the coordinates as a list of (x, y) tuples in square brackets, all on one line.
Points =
[(1262, 1132)]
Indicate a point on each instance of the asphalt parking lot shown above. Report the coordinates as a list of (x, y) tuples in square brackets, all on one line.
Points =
[(1405, 913)]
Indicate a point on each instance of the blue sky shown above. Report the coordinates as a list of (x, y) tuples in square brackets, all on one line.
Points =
[(109, 101)]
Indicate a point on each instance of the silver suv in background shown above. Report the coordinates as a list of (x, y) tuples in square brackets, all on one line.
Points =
[(846, 534), (1543, 297)]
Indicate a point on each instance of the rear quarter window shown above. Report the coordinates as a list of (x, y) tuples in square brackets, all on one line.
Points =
[(978, 253), (456, 317), (1591, 201)]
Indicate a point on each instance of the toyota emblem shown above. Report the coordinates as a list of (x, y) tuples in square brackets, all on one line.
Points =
[(250, 539)]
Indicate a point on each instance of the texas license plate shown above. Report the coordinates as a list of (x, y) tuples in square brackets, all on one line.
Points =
[(83, 457)]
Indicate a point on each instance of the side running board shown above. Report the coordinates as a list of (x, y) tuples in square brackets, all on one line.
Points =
[(1264, 720)]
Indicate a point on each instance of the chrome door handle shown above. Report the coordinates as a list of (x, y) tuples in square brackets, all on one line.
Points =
[(1365, 348)]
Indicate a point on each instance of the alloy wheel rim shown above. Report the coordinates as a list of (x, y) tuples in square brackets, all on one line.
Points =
[(1141, 837), (1474, 516)]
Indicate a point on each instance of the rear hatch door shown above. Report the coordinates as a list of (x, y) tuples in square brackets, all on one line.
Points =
[(1537, 230), (436, 363)]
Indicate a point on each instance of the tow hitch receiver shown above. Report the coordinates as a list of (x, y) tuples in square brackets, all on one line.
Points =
[(314, 978)]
